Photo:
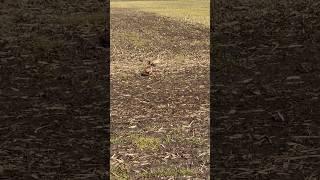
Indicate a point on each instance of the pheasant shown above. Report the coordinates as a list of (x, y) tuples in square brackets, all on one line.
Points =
[(147, 71)]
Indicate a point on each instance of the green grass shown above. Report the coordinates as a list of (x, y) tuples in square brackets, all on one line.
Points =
[(146, 143), (137, 40), (119, 173), (168, 172), (116, 140), (196, 11), (179, 136), (140, 141)]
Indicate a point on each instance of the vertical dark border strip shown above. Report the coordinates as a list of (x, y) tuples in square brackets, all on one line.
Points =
[(212, 23), (278, 137), (54, 90), (211, 81), (108, 86)]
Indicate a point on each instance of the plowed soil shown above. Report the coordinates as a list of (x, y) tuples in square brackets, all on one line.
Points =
[(159, 120), (265, 93), (53, 90)]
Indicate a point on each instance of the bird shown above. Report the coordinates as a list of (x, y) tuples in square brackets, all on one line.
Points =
[(154, 62), (147, 71)]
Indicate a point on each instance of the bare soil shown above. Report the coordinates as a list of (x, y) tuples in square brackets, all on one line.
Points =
[(53, 90), (168, 107), (265, 90)]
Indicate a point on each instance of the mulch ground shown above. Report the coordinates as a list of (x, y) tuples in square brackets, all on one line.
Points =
[(265, 91), (53, 90)]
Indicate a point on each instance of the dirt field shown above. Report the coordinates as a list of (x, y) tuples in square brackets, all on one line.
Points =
[(53, 90), (265, 94), (195, 11), (160, 120)]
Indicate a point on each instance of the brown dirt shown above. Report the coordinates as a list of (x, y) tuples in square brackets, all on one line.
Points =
[(170, 106), (53, 90), (265, 93)]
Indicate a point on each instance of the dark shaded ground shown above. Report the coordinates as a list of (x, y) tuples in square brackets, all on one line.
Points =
[(265, 93), (53, 90)]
